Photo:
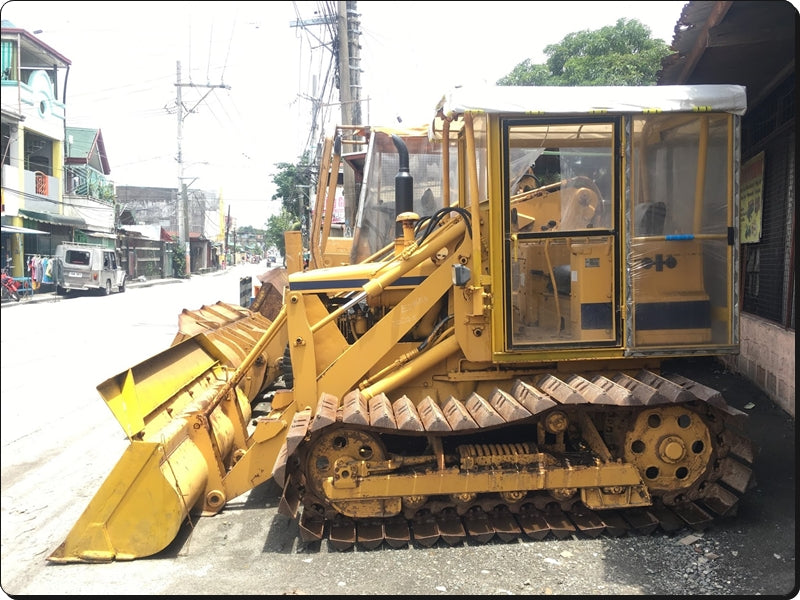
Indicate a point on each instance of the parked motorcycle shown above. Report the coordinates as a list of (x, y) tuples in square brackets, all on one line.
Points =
[(10, 287)]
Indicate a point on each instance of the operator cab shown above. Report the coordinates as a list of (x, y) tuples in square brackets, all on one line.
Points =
[(616, 224)]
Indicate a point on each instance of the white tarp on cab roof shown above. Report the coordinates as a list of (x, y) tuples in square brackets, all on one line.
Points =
[(600, 99)]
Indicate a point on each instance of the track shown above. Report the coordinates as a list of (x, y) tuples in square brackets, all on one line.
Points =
[(565, 457), (480, 526)]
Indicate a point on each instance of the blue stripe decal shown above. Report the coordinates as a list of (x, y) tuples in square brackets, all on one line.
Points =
[(680, 236), (348, 284)]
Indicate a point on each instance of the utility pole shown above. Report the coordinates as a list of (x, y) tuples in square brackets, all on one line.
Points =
[(349, 62), (349, 88), (183, 196), (182, 212), (346, 48), (227, 229)]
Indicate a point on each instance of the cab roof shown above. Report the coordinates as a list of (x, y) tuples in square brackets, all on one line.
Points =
[(594, 99)]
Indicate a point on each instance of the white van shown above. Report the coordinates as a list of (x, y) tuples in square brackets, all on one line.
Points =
[(87, 267)]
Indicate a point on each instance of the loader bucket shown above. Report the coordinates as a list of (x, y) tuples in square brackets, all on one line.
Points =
[(139, 508), (186, 412)]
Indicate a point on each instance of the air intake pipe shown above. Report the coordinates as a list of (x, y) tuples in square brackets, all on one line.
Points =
[(403, 185)]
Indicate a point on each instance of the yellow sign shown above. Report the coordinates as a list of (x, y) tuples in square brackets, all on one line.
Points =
[(752, 198)]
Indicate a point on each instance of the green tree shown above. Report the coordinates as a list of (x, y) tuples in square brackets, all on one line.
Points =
[(620, 54), (276, 225), (294, 183), (178, 261)]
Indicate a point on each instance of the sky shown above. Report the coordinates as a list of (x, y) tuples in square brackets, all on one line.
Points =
[(255, 71)]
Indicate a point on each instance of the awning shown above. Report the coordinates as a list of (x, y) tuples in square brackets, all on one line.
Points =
[(52, 218), (25, 230)]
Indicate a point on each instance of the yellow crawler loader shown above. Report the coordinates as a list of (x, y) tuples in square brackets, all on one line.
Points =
[(491, 359)]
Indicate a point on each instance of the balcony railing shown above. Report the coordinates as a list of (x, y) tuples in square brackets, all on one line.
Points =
[(84, 181)]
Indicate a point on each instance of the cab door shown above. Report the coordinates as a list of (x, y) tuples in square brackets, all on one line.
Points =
[(560, 233)]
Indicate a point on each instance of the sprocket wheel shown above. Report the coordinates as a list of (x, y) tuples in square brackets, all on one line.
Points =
[(331, 447), (671, 447)]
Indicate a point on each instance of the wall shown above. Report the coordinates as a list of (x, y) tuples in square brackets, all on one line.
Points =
[(766, 357)]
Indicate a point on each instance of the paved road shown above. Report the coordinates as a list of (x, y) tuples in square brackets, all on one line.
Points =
[(58, 446)]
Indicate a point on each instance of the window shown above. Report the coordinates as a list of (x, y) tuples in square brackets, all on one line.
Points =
[(42, 184), (38, 154), (77, 257), (8, 60), (6, 144), (559, 220)]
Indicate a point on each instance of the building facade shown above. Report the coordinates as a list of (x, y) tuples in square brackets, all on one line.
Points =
[(55, 184), (151, 209)]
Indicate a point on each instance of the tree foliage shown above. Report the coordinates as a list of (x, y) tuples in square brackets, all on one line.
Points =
[(620, 54), (294, 183), (276, 225)]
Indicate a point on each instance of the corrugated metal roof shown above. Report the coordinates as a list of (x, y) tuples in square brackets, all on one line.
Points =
[(82, 142), (52, 218)]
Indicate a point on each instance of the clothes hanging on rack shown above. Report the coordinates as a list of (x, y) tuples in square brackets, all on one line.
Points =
[(47, 270), (31, 268), (37, 268)]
